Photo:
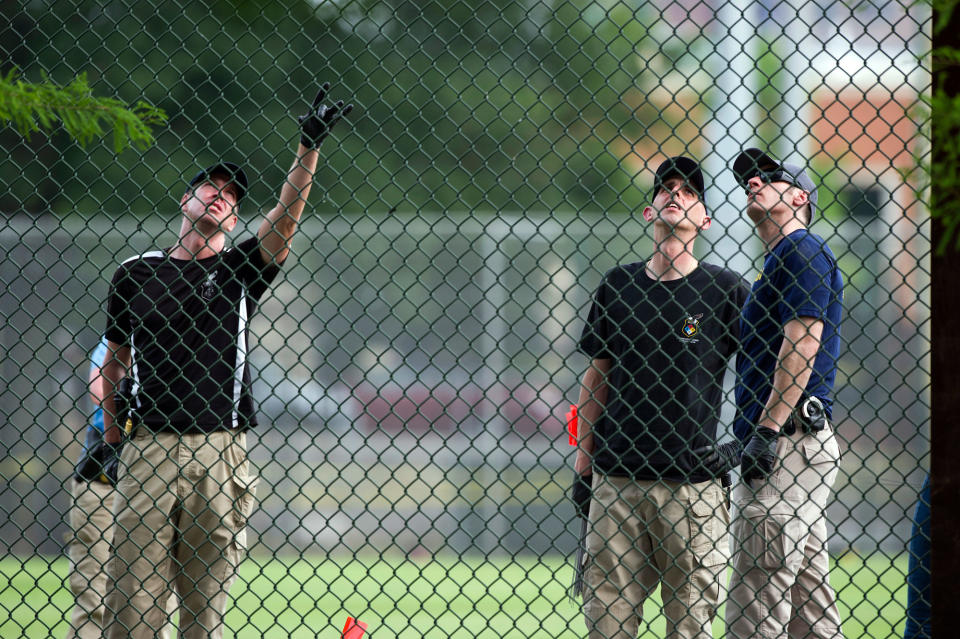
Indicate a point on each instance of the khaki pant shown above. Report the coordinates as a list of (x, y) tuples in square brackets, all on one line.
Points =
[(91, 521), (780, 584), (644, 533), (181, 511)]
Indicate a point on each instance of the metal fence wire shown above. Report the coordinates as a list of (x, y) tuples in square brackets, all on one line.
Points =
[(485, 244)]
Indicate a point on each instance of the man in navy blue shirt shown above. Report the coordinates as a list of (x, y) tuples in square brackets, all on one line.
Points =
[(789, 347)]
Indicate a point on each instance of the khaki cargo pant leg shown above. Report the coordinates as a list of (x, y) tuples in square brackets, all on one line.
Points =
[(620, 572), (693, 555), (91, 518), (647, 532), (779, 585), (217, 494), (814, 600), (141, 570), (91, 522), (181, 511)]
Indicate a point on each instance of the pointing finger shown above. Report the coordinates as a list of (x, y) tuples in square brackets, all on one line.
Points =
[(329, 113), (322, 93)]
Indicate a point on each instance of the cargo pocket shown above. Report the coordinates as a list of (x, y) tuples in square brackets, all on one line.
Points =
[(708, 543), (711, 556), (780, 537), (244, 492), (820, 451)]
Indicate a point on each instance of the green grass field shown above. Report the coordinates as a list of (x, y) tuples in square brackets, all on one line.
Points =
[(435, 598)]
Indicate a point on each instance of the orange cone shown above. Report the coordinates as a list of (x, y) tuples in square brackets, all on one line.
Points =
[(353, 629)]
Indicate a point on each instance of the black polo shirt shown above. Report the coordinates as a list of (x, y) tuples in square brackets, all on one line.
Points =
[(186, 322)]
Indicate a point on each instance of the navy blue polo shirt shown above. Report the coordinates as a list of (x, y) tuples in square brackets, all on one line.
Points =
[(800, 278)]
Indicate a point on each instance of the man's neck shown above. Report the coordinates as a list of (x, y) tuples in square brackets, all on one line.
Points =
[(772, 231), (673, 258), (193, 245)]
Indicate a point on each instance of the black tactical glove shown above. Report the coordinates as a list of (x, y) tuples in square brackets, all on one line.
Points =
[(719, 459), (580, 494), (112, 466), (102, 459), (759, 455), (317, 123)]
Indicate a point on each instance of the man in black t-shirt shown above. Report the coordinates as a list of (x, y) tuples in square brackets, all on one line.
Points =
[(177, 324), (660, 334)]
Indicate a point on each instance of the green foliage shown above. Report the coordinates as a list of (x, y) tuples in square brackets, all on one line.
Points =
[(945, 172), (33, 107), (944, 103), (943, 9)]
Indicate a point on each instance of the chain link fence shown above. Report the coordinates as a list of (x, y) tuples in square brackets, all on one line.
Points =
[(413, 361)]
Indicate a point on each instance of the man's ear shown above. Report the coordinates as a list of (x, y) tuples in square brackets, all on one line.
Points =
[(230, 223), (800, 197), (705, 224), (648, 213)]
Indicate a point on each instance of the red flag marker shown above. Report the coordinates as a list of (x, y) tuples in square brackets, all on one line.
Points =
[(353, 629), (572, 425)]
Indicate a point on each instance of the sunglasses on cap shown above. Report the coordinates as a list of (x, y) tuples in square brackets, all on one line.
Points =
[(775, 175)]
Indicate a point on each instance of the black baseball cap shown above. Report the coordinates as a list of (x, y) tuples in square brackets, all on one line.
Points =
[(683, 167), (227, 169), (754, 162)]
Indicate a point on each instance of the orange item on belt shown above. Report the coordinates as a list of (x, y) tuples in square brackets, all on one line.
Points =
[(572, 424)]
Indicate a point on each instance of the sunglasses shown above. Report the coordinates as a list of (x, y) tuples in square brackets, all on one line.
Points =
[(775, 175)]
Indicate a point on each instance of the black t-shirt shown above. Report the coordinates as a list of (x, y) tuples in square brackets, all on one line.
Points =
[(186, 323), (669, 342)]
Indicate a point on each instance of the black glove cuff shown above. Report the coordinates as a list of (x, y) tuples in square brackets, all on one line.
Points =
[(581, 493), (582, 484), (766, 434), (309, 143)]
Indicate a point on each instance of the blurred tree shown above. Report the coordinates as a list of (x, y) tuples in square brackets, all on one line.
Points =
[(493, 105)]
